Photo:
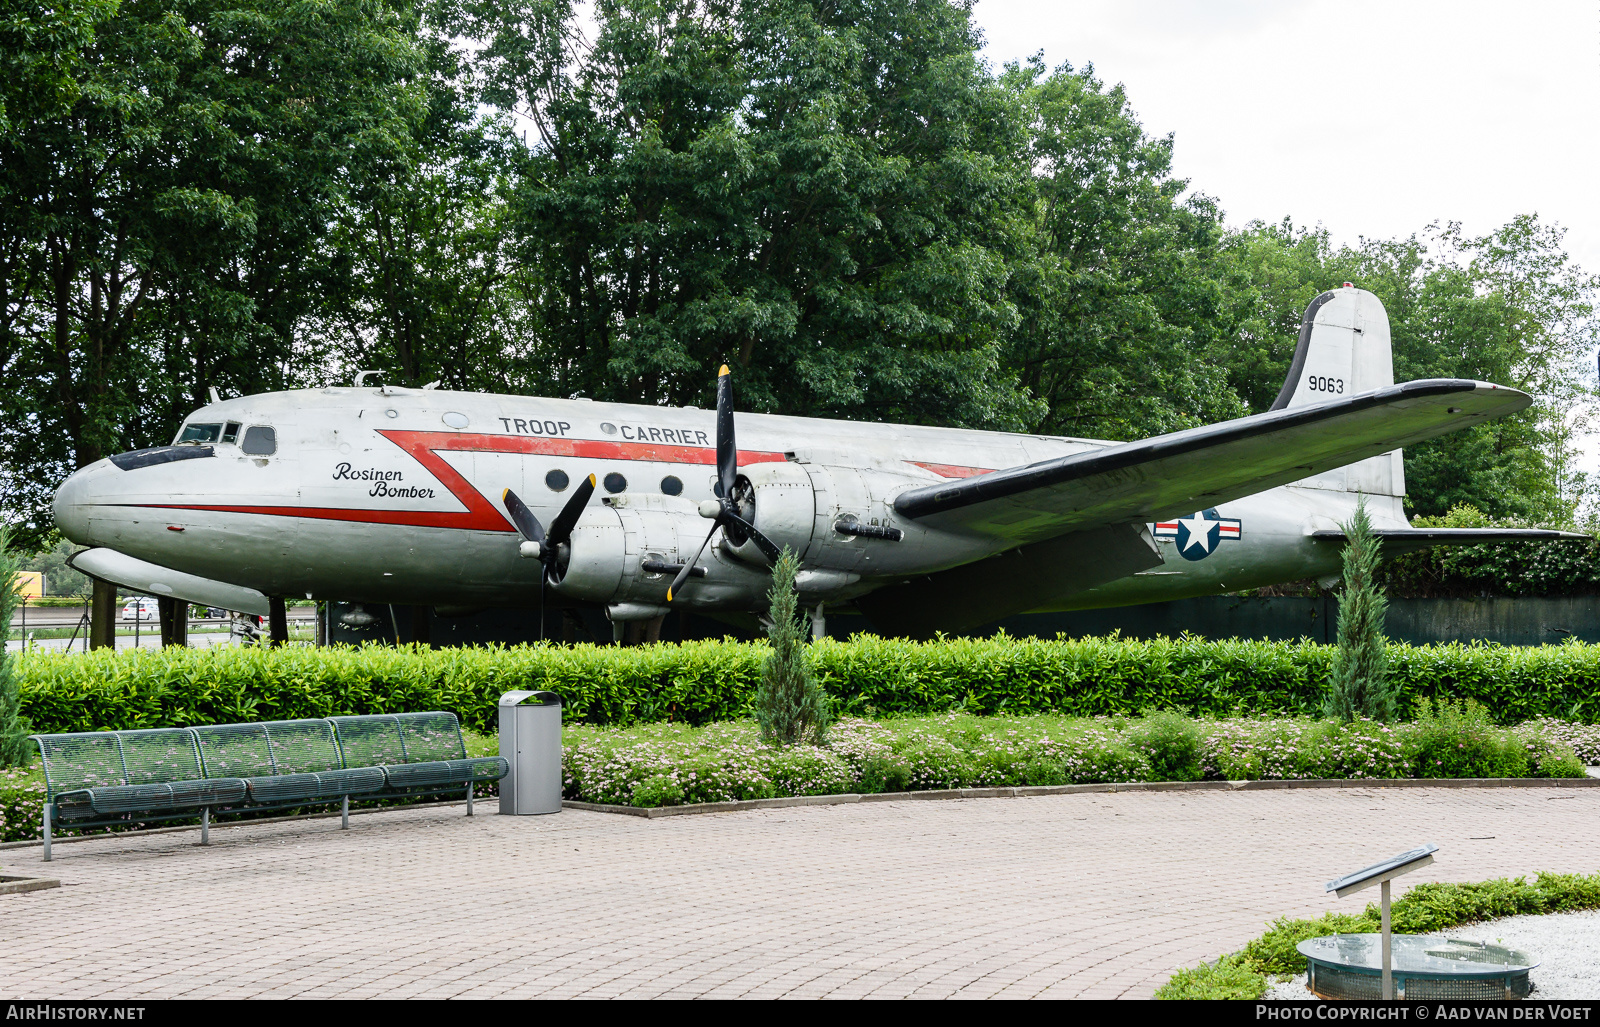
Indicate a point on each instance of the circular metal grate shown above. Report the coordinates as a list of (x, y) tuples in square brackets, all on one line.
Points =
[(1348, 966)]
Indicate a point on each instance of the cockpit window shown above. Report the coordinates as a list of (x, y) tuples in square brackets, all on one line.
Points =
[(200, 433), (230, 432), (259, 440)]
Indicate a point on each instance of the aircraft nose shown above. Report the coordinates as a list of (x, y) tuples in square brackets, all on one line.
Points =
[(76, 497)]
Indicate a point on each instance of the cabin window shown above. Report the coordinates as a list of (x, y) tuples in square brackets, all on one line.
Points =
[(230, 431), (671, 485), (200, 433), (616, 483), (557, 480), (259, 440)]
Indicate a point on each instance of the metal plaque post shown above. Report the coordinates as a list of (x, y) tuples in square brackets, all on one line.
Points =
[(1381, 874)]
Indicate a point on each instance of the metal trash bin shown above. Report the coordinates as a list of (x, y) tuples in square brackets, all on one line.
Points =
[(530, 740)]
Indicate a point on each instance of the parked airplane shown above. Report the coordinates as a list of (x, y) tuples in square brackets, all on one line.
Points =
[(424, 496)]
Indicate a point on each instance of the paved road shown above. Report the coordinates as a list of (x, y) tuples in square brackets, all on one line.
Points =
[(1080, 895), (150, 631), (146, 640), (68, 616)]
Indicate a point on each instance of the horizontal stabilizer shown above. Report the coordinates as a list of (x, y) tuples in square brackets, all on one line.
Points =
[(1203, 467), (1409, 540), (154, 580)]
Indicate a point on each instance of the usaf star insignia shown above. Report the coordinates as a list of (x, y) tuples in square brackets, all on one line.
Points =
[(1197, 536)]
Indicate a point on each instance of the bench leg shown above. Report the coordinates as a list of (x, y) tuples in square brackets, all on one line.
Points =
[(469, 800), (205, 825), (344, 814), (49, 814)]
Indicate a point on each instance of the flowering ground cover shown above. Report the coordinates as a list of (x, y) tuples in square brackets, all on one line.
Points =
[(671, 764)]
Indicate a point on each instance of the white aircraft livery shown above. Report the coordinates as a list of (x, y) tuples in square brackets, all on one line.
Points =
[(425, 496)]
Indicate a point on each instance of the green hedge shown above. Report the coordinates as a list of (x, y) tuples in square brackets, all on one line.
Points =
[(701, 682)]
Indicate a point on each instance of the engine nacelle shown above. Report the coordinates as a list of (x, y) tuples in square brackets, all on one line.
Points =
[(629, 549), (784, 509), (593, 567)]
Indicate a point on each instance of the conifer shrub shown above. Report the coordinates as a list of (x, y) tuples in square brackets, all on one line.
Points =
[(789, 705), (1359, 684)]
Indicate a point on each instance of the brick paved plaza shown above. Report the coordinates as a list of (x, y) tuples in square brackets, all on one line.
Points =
[(1092, 895)]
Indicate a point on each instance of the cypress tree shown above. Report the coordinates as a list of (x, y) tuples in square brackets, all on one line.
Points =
[(1359, 685), (789, 704), (14, 745)]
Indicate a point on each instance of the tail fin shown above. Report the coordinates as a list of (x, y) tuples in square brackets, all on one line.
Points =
[(1343, 351)]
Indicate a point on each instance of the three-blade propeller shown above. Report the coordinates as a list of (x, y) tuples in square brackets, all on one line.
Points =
[(551, 548), (733, 492)]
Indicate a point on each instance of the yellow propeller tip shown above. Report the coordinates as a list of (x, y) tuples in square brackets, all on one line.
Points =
[(723, 371), (591, 481), (504, 494), (669, 595)]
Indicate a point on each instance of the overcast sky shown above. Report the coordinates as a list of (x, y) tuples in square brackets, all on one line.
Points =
[(1370, 118)]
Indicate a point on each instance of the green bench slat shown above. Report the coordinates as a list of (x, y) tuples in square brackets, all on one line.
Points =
[(447, 772), (151, 798), (370, 741), (327, 784), (431, 737)]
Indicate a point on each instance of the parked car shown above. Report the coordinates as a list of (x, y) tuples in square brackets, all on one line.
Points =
[(141, 608)]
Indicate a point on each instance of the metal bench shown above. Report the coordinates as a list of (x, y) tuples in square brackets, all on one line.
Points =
[(101, 778)]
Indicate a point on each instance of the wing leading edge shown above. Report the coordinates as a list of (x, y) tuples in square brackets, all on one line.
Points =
[(1172, 474)]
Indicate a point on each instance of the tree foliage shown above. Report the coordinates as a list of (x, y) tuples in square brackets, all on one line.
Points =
[(1123, 301), (837, 197), (157, 214), (1499, 569)]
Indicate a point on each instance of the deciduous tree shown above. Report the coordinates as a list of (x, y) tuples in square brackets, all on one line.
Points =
[(161, 214)]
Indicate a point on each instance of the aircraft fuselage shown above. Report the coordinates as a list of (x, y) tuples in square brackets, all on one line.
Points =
[(394, 496)]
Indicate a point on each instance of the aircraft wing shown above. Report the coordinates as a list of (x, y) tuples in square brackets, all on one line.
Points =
[(1162, 477), (1406, 540)]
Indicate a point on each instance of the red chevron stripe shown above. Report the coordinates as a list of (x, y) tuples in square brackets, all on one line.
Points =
[(480, 514)]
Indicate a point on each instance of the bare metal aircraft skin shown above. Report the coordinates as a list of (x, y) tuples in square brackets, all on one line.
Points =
[(393, 495)]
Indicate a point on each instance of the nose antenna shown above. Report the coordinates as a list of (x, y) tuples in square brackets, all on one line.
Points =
[(361, 376)]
